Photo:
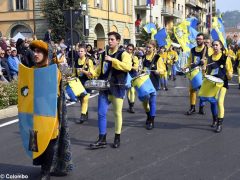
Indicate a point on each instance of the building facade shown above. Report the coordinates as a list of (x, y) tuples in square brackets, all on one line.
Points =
[(24, 16), (110, 15)]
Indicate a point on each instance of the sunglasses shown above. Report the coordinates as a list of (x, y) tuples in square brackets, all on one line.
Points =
[(2, 53)]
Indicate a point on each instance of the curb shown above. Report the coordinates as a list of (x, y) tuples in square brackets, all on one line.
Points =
[(9, 112)]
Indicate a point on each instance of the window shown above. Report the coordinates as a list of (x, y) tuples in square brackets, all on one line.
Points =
[(98, 3), (112, 5), (125, 7), (20, 4)]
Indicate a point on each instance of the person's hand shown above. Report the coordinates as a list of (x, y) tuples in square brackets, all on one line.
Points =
[(156, 72), (108, 58)]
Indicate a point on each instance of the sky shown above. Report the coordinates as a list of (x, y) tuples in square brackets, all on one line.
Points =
[(228, 5)]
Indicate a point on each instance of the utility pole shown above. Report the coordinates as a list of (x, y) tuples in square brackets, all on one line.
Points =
[(108, 17), (211, 12), (71, 34)]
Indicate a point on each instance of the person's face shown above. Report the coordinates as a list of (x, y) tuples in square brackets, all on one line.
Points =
[(149, 48), (207, 42), (217, 47), (2, 53), (88, 48), (200, 40), (39, 56), (112, 42), (8, 51), (161, 50), (14, 53), (130, 49), (82, 52)]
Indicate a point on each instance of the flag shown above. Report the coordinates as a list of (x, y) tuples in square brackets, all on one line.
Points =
[(192, 37), (193, 22), (186, 35), (182, 35), (163, 38), (150, 28), (151, 2), (218, 31)]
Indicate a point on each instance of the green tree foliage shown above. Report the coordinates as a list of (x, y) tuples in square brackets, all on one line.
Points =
[(8, 94), (54, 12)]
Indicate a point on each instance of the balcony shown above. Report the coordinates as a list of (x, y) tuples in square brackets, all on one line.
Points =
[(166, 11), (142, 7), (177, 13), (171, 12), (191, 3)]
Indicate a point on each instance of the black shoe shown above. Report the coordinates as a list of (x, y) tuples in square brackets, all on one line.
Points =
[(45, 175), (150, 123), (116, 142), (214, 122), (83, 118), (131, 110), (219, 125), (174, 78), (239, 86), (166, 89), (191, 110), (148, 117), (201, 110), (100, 143)]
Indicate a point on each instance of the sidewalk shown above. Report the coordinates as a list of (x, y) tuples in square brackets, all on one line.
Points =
[(8, 112)]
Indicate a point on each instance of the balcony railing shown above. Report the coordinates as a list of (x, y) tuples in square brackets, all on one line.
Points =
[(191, 2), (142, 6), (169, 11)]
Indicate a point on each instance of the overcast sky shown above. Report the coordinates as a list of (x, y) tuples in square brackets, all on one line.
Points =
[(228, 5)]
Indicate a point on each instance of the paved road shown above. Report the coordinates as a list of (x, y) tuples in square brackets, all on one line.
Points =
[(180, 147)]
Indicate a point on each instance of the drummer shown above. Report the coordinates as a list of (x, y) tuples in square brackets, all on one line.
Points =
[(164, 77), (82, 68), (114, 66), (196, 59), (152, 62), (133, 73), (220, 66)]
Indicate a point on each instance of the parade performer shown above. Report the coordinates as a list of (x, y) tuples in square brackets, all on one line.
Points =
[(171, 63), (42, 114), (83, 66), (237, 64), (114, 66), (196, 59), (133, 73), (220, 66), (152, 63), (164, 77)]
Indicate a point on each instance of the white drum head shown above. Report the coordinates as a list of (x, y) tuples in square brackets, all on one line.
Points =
[(214, 79)]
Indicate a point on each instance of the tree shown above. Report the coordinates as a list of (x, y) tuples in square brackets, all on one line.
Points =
[(54, 12)]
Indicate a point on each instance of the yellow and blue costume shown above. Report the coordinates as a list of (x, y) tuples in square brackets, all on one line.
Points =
[(154, 63), (171, 63), (164, 76), (85, 64), (118, 69), (131, 91), (194, 60), (238, 65), (221, 67)]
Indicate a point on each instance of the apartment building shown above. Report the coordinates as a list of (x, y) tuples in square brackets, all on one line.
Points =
[(110, 15)]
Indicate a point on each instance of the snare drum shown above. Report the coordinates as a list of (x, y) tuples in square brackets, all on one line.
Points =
[(143, 86), (75, 89), (99, 85), (210, 88), (195, 76)]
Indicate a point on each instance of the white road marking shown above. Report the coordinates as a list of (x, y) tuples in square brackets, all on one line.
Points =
[(180, 87), (16, 120)]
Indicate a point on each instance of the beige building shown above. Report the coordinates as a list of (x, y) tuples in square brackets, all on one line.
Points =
[(110, 15), (22, 16)]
